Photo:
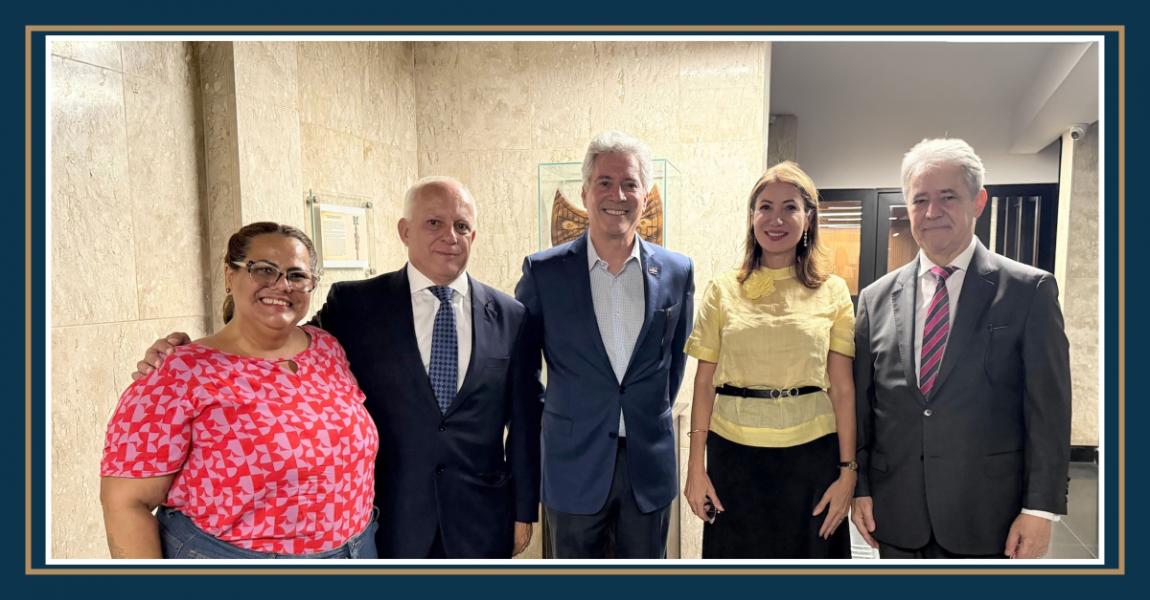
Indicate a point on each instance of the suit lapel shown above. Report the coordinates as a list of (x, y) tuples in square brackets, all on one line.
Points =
[(902, 297), (584, 310), (652, 272), (484, 318), (977, 292), (406, 347)]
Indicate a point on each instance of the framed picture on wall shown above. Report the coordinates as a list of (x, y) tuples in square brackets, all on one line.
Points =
[(341, 234)]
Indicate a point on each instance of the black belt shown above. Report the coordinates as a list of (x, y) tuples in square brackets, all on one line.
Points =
[(730, 390)]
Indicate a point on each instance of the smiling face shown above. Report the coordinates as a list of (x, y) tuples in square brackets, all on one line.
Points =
[(779, 219), (276, 306), (942, 211), (439, 232), (614, 197)]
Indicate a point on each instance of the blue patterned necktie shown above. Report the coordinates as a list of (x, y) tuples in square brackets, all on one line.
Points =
[(444, 367)]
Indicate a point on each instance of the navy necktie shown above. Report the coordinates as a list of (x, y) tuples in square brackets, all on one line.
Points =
[(444, 368)]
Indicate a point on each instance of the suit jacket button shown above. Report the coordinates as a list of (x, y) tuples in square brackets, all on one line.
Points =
[(622, 389), (440, 470), (442, 427), (928, 412), (612, 435)]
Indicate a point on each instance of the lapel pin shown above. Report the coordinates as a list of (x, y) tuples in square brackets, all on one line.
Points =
[(653, 271)]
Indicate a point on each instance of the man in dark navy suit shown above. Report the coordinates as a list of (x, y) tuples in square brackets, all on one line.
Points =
[(439, 356), (611, 314)]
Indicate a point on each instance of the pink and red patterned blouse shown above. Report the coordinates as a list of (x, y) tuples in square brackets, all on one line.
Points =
[(265, 459)]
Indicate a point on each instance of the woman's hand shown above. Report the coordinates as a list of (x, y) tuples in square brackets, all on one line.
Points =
[(836, 501), (698, 489)]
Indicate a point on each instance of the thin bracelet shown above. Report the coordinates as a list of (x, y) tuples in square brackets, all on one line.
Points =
[(693, 431)]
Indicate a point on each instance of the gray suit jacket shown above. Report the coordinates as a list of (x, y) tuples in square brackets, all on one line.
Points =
[(992, 437)]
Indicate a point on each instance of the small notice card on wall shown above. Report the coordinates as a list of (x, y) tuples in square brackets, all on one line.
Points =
[(342, 236)]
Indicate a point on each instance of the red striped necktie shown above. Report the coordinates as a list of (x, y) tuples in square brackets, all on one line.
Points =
[(936, 330)]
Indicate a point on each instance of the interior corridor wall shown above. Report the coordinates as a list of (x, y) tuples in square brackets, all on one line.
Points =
[(127, 252), (159, 152)]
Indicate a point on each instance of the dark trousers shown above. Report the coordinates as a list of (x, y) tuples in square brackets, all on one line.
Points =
[(634, 534), (931, 550)]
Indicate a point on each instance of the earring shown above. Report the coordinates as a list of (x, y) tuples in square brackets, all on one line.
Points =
[(805, 242), (227, 290)]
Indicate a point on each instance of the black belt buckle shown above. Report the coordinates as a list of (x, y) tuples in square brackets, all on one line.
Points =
[(774, 394)]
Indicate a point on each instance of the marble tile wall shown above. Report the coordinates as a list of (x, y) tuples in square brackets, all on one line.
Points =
[(357, 127), (489, 113), (1080, 290), (127, 248)]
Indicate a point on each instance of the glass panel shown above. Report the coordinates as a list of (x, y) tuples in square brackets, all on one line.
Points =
[(901, 247), (562, 216), (840, 230)]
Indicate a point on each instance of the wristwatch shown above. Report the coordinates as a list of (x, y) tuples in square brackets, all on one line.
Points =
[(852, 465)]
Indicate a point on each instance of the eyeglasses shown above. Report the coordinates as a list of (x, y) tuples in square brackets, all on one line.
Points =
[(267, 274)]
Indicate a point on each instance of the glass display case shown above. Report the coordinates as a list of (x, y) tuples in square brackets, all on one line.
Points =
[(562, 216)]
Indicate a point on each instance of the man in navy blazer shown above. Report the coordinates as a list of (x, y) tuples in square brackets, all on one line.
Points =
[(611, 314), (448, 483)]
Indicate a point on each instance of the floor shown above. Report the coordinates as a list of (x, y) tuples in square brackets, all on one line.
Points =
[(1075, 536)]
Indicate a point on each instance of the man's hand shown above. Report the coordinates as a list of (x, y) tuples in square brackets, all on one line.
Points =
[(1029, 537), (522, 537), (154, 357), (862, 515)]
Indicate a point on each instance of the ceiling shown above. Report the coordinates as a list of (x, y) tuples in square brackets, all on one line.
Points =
[(1044, 88)]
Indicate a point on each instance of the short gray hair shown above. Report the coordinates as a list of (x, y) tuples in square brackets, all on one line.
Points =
[(412, 194), (619, 143), (943, 151)]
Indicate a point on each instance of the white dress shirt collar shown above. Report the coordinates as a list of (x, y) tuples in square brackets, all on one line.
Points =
[(593, 256), (962, 261), (420, 282)]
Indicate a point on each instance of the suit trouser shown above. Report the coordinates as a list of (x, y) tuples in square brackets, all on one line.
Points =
[(635, 534), (931, 550)]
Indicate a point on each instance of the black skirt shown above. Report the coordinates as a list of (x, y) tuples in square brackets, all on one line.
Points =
[(768, 494)]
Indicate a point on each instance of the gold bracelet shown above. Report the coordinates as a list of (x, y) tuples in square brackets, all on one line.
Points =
[(697, 431)]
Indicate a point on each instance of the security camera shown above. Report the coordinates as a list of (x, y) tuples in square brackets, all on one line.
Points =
[(1076, 132)]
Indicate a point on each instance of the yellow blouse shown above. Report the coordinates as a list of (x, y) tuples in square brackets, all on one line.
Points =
[(773, 332)]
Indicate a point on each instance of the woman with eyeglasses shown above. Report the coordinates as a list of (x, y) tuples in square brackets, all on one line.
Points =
[(252, 442), (773, 410)]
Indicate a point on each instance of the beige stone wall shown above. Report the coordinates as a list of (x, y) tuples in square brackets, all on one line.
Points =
[(357, 124), (1080, 289), (160, 152), (490, 113), (128, 259)]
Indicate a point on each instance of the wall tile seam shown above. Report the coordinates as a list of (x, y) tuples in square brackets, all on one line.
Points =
[(264, 101), (128, 176), (86, 63), (127, 322), (363, 138)]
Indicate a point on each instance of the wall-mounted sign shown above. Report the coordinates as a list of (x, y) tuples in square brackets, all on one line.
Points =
[(341, 232)]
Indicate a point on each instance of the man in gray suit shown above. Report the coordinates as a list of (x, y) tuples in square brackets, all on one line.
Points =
[(963, 384)]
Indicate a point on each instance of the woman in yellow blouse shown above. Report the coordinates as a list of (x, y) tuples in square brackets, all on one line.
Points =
[(774, 398)]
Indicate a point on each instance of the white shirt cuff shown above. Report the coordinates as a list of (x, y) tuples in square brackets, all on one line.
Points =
[(1049, 516)]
